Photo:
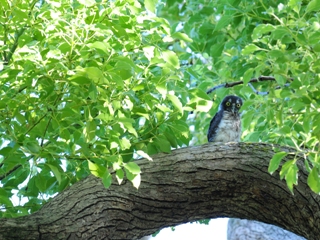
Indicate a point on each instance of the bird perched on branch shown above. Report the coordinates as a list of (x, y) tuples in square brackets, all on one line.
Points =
[(225, 126)]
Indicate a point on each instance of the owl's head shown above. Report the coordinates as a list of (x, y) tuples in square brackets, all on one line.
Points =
[(231, 104)]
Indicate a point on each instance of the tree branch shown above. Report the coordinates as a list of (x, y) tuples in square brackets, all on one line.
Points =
[(259, 79), (208, 181), (14, 45), (9, 172)]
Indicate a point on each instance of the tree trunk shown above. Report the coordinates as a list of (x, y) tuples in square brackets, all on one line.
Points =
[(208, 181), (242, 229)]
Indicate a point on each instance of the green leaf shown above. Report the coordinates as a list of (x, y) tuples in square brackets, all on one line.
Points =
[(163, 144), (280, 79), (247, 76), (292, 176), (93, 93), (216, 49), (41, 182), (102, 46), (250, 48), (149, 52), (4, 198), (56, 172), (86, 75), (94, 73), (151, 5), (87, 3), (176, 102), (162, 89), (127, 125), (21, 119), (119, 175), (181, 36), (90, 130), (316, 47), (275, 161), (106, 179), (124, 68), (314, 180), (181, 130), (171, 59), (262, 29), (295, 5), (124, 143), (132, 167), (289, 171), (314, 5), (144, 155), (202, 100), (279, 32), (33, 147), (285, 168), (136, 181), (96, 169), (223, 22)]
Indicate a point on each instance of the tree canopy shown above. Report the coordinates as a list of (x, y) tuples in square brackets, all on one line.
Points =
[(88, 86)]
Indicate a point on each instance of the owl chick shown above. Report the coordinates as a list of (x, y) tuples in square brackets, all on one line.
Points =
[(225, 126)]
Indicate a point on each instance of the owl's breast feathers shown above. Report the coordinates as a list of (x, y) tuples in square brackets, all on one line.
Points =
[(225, 127)]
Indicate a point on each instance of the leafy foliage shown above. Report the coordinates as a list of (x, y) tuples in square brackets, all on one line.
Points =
[(88, 86)]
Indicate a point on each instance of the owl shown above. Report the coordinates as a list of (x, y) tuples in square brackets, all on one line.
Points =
[(225, 126)]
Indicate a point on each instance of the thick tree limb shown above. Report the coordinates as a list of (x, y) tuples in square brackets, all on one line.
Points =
[(208, 181)]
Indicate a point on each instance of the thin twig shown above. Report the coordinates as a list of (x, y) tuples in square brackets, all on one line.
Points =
[(39, 120), (229, 85), (9, 172), (14, 46), (13, 169), (45, 131)]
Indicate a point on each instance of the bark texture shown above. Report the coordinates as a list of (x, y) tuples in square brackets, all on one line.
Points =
[(208, 181)]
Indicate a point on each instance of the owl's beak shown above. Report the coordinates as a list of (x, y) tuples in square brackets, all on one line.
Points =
[(234, 109)]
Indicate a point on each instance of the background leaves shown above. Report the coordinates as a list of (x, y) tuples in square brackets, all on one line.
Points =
[(89, 86)]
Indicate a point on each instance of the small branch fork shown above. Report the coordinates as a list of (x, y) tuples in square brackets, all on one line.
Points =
[(259, 79)]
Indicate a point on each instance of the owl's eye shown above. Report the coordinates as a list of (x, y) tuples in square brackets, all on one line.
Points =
[(228, 104), (238, 105)]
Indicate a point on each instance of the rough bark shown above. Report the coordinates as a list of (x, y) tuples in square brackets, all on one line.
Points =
[(208, 181)]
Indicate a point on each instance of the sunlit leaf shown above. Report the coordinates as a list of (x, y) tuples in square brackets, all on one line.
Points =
[(176, 102), (292, 177), (250, 48), (247, 76), (136, 181), (314, 180), (275, 161), (119, 175), (96, 169), (262, 29), (314, 5), (90, 130), (171, 59), (144, 155), (150, 5), (132, 167), (106, 179), (182, 36), (87, 3)]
